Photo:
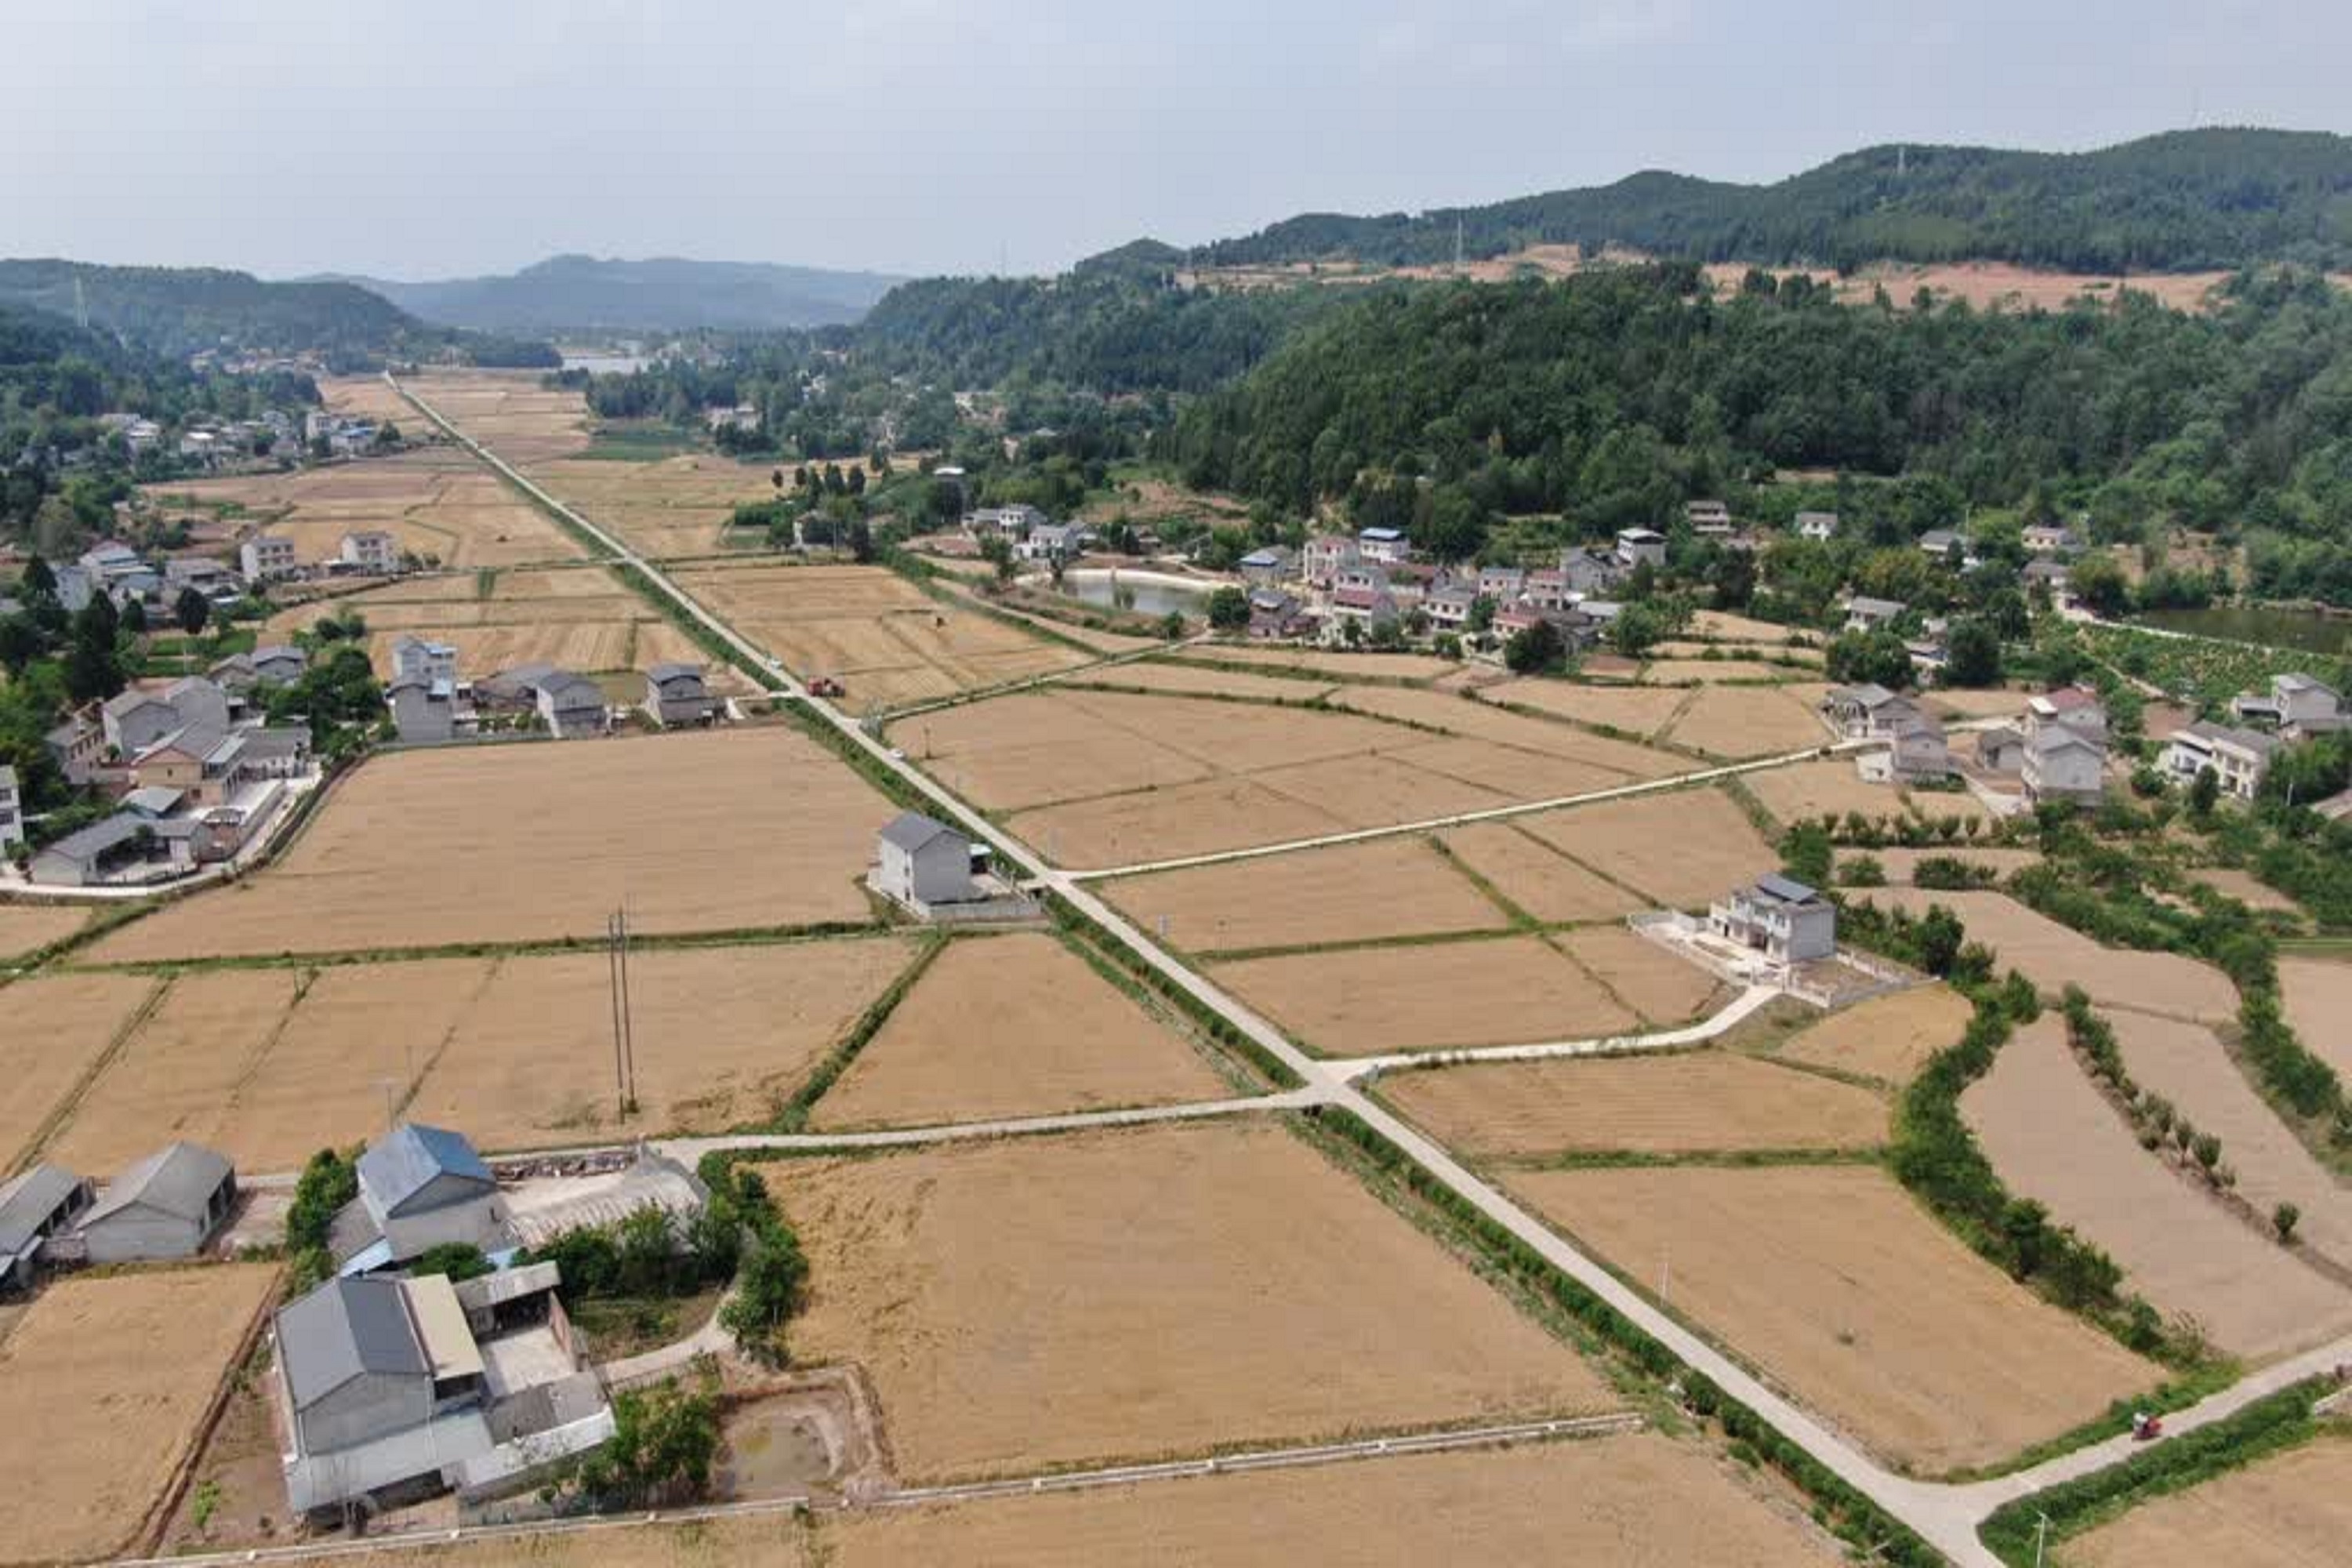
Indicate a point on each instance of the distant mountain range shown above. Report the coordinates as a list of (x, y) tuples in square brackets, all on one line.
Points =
[(2183, 201), (663, 294)]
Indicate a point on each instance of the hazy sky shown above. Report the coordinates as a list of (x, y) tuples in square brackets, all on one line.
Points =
[(435, 137)]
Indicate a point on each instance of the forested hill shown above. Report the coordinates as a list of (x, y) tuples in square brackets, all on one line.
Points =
[(177, 311), (666, 294), (2184, 201)]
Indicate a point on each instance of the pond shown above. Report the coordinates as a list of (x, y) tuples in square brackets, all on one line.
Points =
[(1154, 595), (2269, 625)]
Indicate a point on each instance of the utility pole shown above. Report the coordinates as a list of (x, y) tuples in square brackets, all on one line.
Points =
[(616, 963)]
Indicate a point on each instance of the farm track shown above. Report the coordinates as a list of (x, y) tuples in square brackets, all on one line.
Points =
[(1944, 1515)]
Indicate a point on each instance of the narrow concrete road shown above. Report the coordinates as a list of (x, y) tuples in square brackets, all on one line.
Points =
[(1741, 1006)]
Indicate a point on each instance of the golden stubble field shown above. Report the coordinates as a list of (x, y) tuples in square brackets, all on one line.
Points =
[(2052, 1138), (2291, 1510), (119, 1370), (26, 927), (583, 619), (1056, 1300), (507, 411), (701, 831), (1380, 889), (1680, 847), (1011, 1025), (2055, 957), (60, 1029), (1887, 1037), (1851, 1298), (670, 506), (1577, 1502)]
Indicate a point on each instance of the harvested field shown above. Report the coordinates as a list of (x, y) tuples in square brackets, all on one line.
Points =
[(1681, 847), (723, 1036), (1781, 655), (507, 411), (2055, 957), (582, 620), (1902, 866), (759, 828), (1850, 1296), (1534, 876), (2246, 887), (1954, 702), (1239, 737), (1738, 721), (1694, 1102), (673, 506), (1832, 785), (1189, 680), (2317, 993), (1660, 985), (59, 1027), (1367, 1001), (1014, 1026), (1371, 892), (1204, 818), (121, 1369), (1522, 775), (1711, 671), (1219, 1317), (25, 926), (1378, 791), (1722, 625), (1887, 1037), (2054, 1139), (2291, 1509), (1639, 711), (365, 397), (1392, 667), (2187, 1065), (1467, 716)]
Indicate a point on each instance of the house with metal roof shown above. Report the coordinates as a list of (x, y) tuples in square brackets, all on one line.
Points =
[(2063, 762), (124, 847), (36, 1205), (1779, 917), (420, 1187), (423, 712), (922, 861), (169, 1204), (676, 694)]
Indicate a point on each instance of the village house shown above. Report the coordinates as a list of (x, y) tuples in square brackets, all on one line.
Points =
[(416, 658), (1779, 917), (1386, 546), (136, 718), (216, 581), (1277, 614), (1641, 547), (921, 862), (1868, 710), (124, 847), (372, 551), (1708, 519), (1501, 584), (36, 1205), (1448, 604), (1920, 753), (169, 1204), (423, 712), (2000, 749), (1013, 521), (75, 589), (2296, 706), (1052, 540), (1817, 526), (1865, 614), (1944, 544), (2075, 708), (2052, 539), (2238, 759), (571, 706), (277, 663), (266, 558), (1590, 571), (675, 694), (2045, 573), (1269, 566), (2062, 763), (12, 810), (420, 1187), (1328, 555)]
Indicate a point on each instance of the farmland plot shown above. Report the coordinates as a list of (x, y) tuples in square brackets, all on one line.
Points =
[(26, 927), (1639, 711), (1368, 1001), (675, 506), (507, 411), (1466, 716), (1692, 1102), (435, 504), (1219, 1317), (1369, 891), (1189, 680), (1681, 847), (2052, 1138), (1014, 1026), (758, 828), (120, 1369), (2318, 997), (1373, 667), (1740, 721), (1887, 1037), (1534, 876), (1847, 1294), (1658, 983), (2291, 1510), (1833, 786), (2055, 957), (60, 1029)]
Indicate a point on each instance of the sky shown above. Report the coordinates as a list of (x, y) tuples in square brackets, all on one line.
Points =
[(438, 138)]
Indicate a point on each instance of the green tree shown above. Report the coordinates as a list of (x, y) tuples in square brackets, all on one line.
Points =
[(1858, 658), (1940, 936), (191, 610), (1974, 655), (93, 660), (664, 1441), (997, 551), (2204, 793), (2099, 582), (1535, 649), (2283, 1219), (1229, 609), (456, 1259)]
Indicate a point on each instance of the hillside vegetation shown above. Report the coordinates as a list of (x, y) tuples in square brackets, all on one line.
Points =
[(2185, 201), (666, 294)]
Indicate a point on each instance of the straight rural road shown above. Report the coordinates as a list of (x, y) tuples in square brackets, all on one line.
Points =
[(1944, 1515)]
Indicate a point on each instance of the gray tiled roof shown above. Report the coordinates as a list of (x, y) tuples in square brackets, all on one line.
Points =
[(178, 1180), (411, 1158), (345, 1329), (910, 830), (28, 1199)]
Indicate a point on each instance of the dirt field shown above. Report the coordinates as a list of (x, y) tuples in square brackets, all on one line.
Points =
[(2318, 997), (1691, 1102), (1722, 625), (1662, 986), (673, 506), (2246, 887), (1638, 710), (1204, 818), (1353, 892), (1343, 666), (1255, 1293), (1188, 679), (1014, 1026), (1585, 1502), (581, 620), (754, 828), (2053, 1139), (2053, 956), (59, 1028), (1849, 1295), (1887, 1037), (507, 411), (2187, 1065), (1811, 790), (1682, 848), (1535, 877), (1368, 1001), (885, 639), (2289, 1511), (1740, 721), (1712, 671), (24, 927), (437, 503), (113, 1426), (1467, 716)]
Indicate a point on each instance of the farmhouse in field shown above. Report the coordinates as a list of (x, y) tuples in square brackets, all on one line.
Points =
[(2239, 760), (169, 1204), (420, 1187), (1920, 753), (1779, 917), (35, 1206), (568, 705), (2000, 749), (124, 847), (675, 694), (266, 558), (2062, 763), (923, 861), (370, 551), (392, 1390), (1868, 710), (423, 712)]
